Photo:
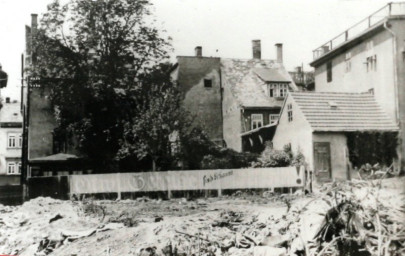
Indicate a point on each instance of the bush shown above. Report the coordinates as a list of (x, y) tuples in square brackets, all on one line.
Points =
[(273, 158), (279, 158), (225, 158)]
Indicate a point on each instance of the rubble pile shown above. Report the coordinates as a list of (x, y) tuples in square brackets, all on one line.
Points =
[(41, 225), (348, 218)]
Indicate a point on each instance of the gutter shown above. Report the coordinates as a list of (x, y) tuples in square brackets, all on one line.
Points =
[(394, 52)]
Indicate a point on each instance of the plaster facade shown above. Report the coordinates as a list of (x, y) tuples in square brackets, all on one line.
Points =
[(10, 144), (338, 151), (204, 102), (297, 133), (385, 77)]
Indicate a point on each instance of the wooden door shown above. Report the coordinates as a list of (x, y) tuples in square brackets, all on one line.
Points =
[(322, 161)]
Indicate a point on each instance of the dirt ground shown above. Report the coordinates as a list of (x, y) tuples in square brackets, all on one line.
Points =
[(235, 225)]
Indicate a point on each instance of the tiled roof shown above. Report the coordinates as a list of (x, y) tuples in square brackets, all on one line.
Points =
[(246, 85), (343, 112), (10, 113)]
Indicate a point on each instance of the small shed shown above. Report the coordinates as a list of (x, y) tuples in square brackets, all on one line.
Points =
[(318, 123)]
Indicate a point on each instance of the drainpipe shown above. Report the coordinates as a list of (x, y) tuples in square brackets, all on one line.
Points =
[(394, 52)]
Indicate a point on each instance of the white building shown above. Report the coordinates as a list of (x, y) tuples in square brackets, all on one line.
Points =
[(10, 143)]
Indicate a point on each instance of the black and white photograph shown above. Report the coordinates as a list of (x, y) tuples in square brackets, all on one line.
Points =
[(202, 127)]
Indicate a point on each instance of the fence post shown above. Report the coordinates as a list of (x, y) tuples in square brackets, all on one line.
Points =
[(169, 194), (219, 192), (118, 186)]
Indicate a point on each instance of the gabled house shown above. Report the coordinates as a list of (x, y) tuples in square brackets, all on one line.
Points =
[(318, 123), (237, 101), (369, 57)]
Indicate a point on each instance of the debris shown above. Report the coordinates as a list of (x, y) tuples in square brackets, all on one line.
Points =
[(57, 217), (269, 251)]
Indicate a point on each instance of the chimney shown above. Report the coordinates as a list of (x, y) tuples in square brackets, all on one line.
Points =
[(7, 99), (257, 50), (279, 49), (34, 23), (198, 51)]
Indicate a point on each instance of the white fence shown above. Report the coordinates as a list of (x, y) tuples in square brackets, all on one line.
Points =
[(252, 178)]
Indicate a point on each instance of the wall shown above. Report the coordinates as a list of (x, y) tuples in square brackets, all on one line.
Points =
[(358, 79), (338, 145), (5, 151), (398, 26), (204, 103), (298, 132), (232, 119), (41, 123)]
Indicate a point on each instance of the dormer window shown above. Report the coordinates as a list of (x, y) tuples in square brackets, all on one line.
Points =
[(277, 89), (208, 83)]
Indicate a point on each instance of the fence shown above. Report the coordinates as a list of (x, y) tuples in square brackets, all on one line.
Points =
[(54, 186), (254, 178), (11, 195)]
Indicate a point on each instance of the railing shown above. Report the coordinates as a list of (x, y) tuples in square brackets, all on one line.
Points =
[(388, 10)]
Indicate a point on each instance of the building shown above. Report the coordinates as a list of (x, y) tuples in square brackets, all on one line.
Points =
[(44, 153), (10, 143), (318, 123), (3, 78), (237, 101), (304, 80), (369, 57)]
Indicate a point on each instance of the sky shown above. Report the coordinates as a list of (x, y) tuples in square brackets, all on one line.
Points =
[(224, 28)]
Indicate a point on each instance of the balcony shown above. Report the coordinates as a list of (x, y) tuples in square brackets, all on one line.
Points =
[(391, 9)]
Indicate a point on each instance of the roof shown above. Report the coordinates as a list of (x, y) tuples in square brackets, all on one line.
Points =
[(327, 111), (271, 75), (247, 79), (60, 157), (10, 113)]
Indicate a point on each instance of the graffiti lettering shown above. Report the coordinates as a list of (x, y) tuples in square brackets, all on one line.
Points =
[(216, 176)]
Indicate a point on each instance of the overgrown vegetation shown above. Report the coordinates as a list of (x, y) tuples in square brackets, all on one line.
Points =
[(271, 157), (372, 147)]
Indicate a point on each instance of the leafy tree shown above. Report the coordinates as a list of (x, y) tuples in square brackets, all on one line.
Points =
[(159, 123), (98, 57)]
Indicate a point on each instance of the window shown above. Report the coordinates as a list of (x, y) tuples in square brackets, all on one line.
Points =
[(20, 141), (207, 83), (290, 112), (329, 72), (14, 140), (271, 92), (257, 120), (348, 61), (273, 118), (12, 168), (277, 89), (19, 168), (371, 63)]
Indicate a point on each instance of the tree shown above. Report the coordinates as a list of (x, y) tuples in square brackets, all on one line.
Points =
[(97, 56), (159, 122)]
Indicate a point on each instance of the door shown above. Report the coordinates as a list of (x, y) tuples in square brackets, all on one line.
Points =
[(322, 164)]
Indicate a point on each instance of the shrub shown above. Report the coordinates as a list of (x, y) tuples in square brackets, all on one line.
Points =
[(225, 158), (271, 157)]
